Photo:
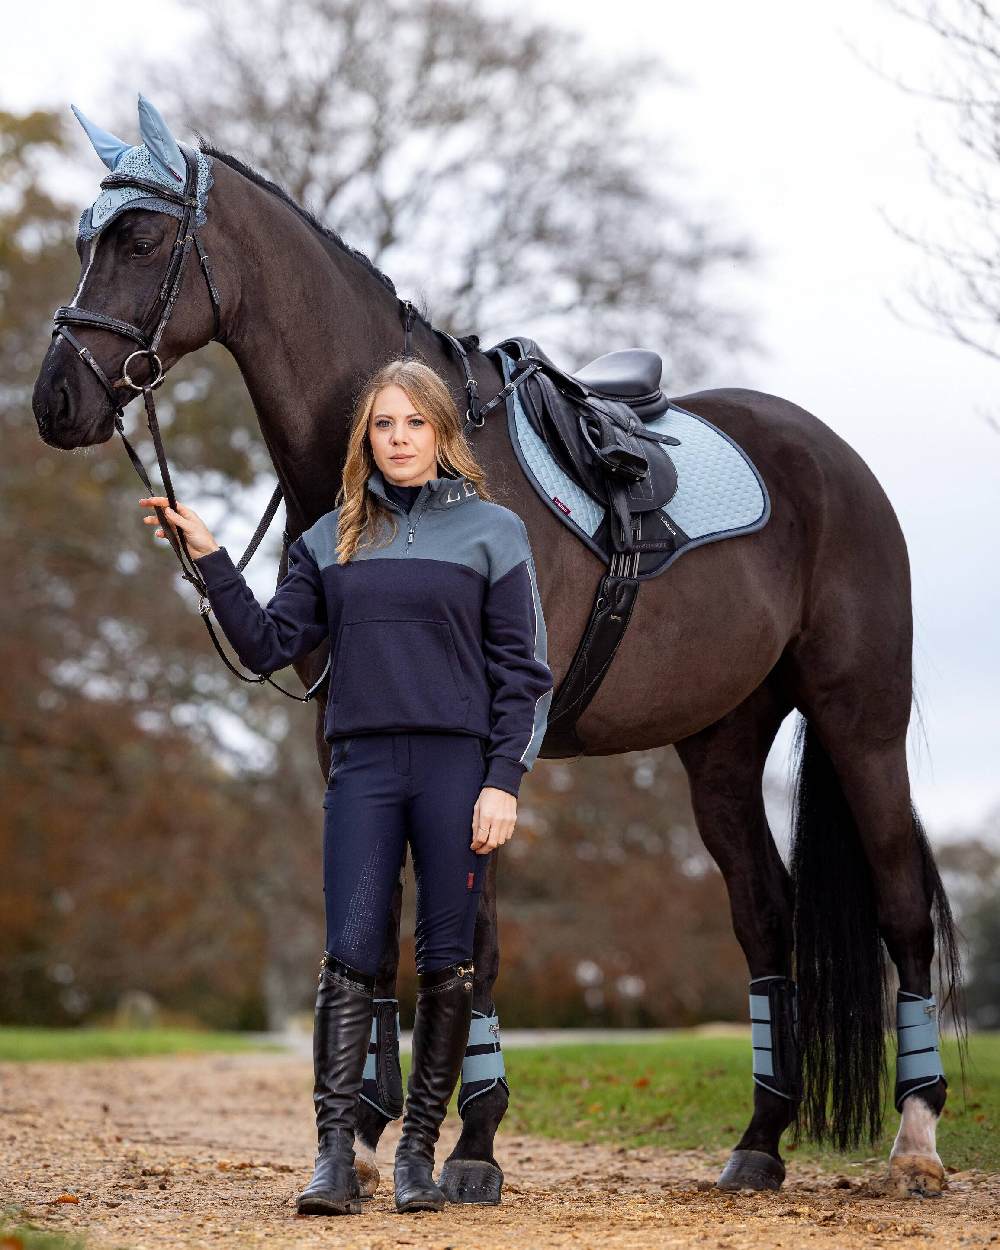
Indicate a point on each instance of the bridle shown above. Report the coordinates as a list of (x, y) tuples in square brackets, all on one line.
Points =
[(147, 344)]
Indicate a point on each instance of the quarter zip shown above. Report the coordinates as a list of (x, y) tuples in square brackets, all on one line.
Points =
[(415, 515), (414, 523)]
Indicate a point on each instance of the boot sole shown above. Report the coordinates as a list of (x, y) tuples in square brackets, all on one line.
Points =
[(327, 1206), (419, 1204)]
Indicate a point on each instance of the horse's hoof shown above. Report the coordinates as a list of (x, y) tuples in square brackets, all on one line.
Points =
[(368, 1178), (751, 1169), (916, 1176), (471, 1181)]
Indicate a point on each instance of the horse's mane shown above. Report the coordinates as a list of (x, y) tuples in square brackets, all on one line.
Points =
[(330, 236), (325, 232)]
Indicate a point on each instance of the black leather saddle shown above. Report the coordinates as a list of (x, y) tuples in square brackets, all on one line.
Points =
[(632, 376), (593, 425)]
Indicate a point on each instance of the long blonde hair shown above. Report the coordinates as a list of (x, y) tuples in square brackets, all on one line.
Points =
[(361, 516)]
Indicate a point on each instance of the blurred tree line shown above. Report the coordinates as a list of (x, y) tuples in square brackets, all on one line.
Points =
[(161, 823)]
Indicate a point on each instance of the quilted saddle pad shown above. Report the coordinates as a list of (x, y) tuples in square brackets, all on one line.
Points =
[(719, 492)]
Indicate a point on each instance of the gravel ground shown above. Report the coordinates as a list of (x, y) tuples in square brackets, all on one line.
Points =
[(210, 1150)]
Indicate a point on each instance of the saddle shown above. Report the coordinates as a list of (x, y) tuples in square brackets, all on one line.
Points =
[(588, 445), (592, 422)]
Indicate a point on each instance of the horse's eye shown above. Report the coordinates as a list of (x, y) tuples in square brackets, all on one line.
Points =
[(142, 247)]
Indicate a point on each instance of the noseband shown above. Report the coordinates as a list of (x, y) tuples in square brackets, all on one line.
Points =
[(148, 343), (165, 299)]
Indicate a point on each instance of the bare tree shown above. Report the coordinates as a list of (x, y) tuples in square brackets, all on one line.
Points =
[(503, 174), (960, 287)]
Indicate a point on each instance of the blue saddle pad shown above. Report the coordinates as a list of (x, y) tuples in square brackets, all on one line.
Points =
[(719, 492)]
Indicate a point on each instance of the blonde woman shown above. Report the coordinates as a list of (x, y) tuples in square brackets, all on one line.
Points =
[(437, 706)]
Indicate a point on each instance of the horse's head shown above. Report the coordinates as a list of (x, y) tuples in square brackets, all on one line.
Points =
[(143, 301)]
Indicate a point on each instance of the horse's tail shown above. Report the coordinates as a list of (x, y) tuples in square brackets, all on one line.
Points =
[(840, 958), (840, 962)]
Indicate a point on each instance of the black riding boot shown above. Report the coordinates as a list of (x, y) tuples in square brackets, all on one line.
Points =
[(341, 1033), (440, 1035)]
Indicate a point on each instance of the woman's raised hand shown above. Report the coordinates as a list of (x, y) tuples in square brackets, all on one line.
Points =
[(197, 535)]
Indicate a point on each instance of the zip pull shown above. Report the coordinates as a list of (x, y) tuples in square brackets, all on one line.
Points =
[(409, 536)]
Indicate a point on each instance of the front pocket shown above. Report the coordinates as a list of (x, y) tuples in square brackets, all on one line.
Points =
[(406, 671)]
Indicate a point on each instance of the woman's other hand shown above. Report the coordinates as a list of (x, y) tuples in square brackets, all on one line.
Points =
[(199, 538), (493, 819)]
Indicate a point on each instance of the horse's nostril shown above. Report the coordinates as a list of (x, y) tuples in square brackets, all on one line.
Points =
[(60, 402)]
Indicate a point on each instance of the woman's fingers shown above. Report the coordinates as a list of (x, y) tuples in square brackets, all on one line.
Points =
[(177, 520), (196, 535), (489, 834), (179, 517), (161, 501), (494, 840)]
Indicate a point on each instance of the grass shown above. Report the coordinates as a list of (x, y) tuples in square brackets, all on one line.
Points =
[(681, 1092), (18, 1236), (688, 1091), (18, 1044)]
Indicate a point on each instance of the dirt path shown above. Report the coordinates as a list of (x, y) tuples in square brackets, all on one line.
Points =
[(209, 1151)]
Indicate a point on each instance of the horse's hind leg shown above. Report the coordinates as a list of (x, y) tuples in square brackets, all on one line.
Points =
[(872, 770), (725, 767)]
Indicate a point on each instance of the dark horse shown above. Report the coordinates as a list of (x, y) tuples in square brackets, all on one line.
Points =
[(811, 613)]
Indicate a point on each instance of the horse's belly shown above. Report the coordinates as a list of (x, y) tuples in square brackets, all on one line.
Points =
[(702, 637)]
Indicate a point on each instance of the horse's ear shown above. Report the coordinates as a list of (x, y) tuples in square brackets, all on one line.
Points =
[(107, 146), (155, 133)]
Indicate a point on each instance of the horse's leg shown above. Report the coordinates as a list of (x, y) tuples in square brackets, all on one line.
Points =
[(381, 1099), (725, 767), (866, 874), (873, 775), (471, 1174)]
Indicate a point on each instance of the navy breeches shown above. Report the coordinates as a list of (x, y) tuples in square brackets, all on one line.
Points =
[(386, 790)]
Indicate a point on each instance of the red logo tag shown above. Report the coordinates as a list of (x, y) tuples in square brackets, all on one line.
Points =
[(561, 506), (471, 881)]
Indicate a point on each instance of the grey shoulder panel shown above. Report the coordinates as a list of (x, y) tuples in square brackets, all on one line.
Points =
[(509, 543), (320, 539), (483, 536)]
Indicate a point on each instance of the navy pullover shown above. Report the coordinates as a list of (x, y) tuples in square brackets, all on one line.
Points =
[(441, 629)]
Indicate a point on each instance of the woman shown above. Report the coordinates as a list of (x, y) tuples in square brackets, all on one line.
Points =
[(439, 691)]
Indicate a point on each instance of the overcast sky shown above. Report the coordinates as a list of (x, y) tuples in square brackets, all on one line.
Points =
[(789, 136)]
